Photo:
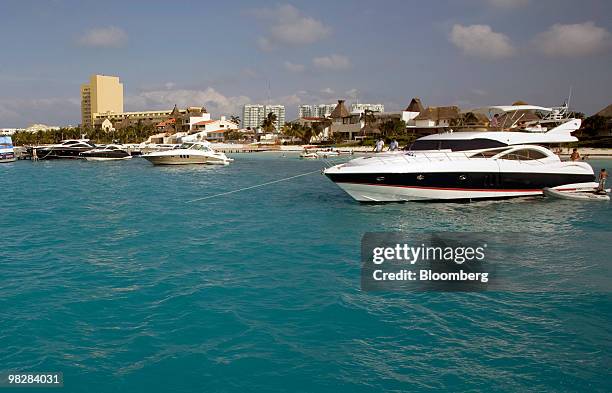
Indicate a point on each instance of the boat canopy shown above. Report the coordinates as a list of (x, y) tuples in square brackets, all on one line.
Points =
[(500, 109)]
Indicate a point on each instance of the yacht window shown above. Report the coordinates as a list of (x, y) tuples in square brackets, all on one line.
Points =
[(487, 153), (524, 154), (456, 144)]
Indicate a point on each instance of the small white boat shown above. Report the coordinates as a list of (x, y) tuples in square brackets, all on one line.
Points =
[(188, 153), (587, 195), (309, 155)]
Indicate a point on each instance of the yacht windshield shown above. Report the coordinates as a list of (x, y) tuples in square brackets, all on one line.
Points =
[(186, 145), (456, 144), (201, 147)]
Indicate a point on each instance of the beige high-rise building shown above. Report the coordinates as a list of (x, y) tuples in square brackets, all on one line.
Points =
[(103, 94)]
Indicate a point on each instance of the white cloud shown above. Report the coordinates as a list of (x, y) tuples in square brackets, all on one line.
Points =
[(332, 62), (508, 3), (288, 26), (578, 39), (481, 41), (352, 94), (215, 102), (51, 111), (104, 37), (289, 66)]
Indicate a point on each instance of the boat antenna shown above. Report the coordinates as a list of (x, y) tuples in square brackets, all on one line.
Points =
[(569, 97)]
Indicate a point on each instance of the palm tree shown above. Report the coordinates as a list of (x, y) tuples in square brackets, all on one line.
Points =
[(269, 123), (235, 119)]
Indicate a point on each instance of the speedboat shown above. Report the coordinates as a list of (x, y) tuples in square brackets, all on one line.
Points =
[(106, 153), (71, 148), (468, 166), (7, 154), (199, 152)]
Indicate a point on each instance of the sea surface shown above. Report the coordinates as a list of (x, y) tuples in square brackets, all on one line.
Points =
[(109, 275)]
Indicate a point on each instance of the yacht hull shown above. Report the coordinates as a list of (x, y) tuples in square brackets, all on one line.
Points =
[(184, 160), (394, 193), (91, 158)]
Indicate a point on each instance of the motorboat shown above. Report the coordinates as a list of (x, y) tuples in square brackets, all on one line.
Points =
[(71, 148), (200, 152), (590, 195), (106, 153), (468, 165), (7, 154), (312, 152)]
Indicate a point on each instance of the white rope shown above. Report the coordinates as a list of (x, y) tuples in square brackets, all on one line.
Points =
[(255, 186)]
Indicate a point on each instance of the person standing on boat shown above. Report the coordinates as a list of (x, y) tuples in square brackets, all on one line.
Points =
[(380, 145), (495, 121), (575, 155), (34, 155), (603, 176), (393, 145)]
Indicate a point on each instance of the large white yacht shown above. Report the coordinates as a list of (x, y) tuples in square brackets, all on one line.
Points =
[(471, 165), (188, 153)]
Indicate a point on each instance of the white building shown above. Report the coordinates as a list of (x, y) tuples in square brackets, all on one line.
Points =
[(211, 130), (320, 110), (360, 108), (305, 111), (9, 131), (253, 115)]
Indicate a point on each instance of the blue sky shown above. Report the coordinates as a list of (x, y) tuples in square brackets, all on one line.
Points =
[(226, 53)]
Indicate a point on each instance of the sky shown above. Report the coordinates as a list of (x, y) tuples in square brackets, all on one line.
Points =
[(224, 54)]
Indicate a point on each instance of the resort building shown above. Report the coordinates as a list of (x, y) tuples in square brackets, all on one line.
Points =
[(103, 94), (320, 110), (360, 108), (253, 115), (182, 119), (412, 110), (344, 124), (436, 117)]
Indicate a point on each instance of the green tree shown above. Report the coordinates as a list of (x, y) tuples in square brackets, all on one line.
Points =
[(269, 123), (393, 128)]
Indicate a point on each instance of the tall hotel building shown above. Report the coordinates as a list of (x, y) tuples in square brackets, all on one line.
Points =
[(360, 108), (321, 110), (254, 115), (103, 94)]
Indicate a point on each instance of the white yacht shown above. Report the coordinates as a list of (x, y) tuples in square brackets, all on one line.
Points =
[(470, 165), (188, 153)]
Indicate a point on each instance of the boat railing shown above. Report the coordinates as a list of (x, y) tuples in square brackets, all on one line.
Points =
[(452, 156)]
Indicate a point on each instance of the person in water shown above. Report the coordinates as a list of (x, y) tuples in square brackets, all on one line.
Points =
[(603, 176), (575, 155)]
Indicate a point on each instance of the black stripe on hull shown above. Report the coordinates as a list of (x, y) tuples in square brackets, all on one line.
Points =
[(459, 180)]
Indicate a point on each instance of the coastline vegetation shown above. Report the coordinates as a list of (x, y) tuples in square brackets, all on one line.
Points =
[(130, 134)]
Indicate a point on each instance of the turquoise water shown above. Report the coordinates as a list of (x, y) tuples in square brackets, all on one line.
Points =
[(110, 277)]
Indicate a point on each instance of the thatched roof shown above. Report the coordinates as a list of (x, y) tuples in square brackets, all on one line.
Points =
[(340, 111), (472, 118), (519, 102), (415, 105), (437, 113), (605, 112)]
